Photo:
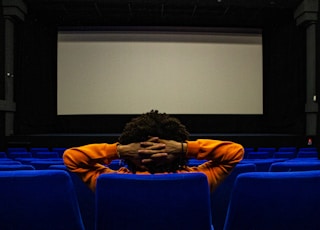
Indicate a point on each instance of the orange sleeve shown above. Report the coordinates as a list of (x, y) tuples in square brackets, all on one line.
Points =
[(222, 157), (88, 161)]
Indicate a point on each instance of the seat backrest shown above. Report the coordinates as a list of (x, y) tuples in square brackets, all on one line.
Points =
[(14, 155), (10, 162), (46, 154), (284, 154), (33, 150), (86, 198), (288, 149), (295, 166), (3, 155), (275, 200), (267, 149), (16, 149), (306, 149), (59, 150), (259, 155), (11, 167), (157, 202), (302, 154), (38, 200), (221, 196), (45, 164), (262, 165)]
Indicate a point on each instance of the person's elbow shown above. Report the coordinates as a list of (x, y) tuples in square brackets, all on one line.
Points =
[(238, 152)]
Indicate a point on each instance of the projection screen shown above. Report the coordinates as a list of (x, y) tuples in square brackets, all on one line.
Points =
[(105, 72)]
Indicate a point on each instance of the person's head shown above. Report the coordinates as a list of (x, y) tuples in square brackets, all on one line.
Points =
[(155, 124)]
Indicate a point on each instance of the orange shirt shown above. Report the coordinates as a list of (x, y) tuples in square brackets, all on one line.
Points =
[(89, 161)]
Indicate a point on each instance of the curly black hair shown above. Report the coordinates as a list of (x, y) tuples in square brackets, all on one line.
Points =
[(155, 124)]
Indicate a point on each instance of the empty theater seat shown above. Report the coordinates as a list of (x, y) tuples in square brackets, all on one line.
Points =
[(85, 196), (284, 154), (289, 166), (275, 200), (4, 167), (259, 155), (14, 155), (46, 155), (45, 164), (157, 202), (38, 200), (221, 196)]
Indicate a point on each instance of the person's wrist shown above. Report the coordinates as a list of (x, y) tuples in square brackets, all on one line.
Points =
[(184, 147), (119, 148)]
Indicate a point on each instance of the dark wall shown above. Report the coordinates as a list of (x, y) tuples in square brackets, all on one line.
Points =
[(35, 81), (2, 114)]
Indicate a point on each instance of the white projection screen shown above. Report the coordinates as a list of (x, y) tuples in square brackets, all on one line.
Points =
[(105, 72)]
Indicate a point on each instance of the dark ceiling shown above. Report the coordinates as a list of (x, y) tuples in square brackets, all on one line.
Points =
[(245, 13)]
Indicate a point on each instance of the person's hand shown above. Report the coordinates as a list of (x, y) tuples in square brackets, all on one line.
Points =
[(138, 153), (171, 151)]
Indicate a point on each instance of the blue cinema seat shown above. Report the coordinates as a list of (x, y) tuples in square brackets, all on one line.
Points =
[(3, 155), (221, 196), (34, 150), (288, 149), (262, 165), (14, 155), (59, 150), (10, 162), (46, 155), (259, 155), (284, 154), (38, 200), (16, 149), (86, 198), (270, 150), (45, 164), (289, 166), (11, 167), (275, 201), (157, 202), (307, 154)]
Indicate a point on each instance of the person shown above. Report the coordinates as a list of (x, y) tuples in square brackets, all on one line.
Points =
[(155, 143)]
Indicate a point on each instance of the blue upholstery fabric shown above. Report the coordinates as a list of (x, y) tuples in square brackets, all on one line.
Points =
[(86, 198), (270, 150), (288, 149), (4, 167), (46, 155), (302, 154), (195, 162), (116, 164), (157, 202), (275, 201), (38, 200), (262, 165), (259, 155), (34, 150), (14, 155), (9, 162), (59, 150), (16, 149), (45, 164), (306, 149), (221, 196), (294, 166), (3, 155), (284, 154)]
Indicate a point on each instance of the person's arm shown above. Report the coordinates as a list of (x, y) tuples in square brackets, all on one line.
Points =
[(88, 161), (222, 157)]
